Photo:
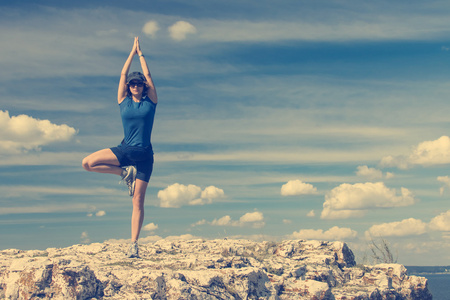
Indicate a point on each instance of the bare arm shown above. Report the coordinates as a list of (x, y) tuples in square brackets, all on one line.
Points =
[(151, 93), (123, 88)]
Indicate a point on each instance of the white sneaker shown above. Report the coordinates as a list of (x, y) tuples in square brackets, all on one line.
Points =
[(133, 252), (130, 179)]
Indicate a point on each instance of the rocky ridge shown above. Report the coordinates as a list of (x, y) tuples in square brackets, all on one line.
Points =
[(203, 269)]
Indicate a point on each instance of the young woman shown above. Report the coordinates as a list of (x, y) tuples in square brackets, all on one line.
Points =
[(133, 158)]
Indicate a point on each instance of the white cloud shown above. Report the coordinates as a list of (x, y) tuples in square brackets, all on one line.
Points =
[(286, 221), (211, 192), (333, 234), (399, 161), (224, 221), (446, 181), (84, 238), (198, 223), (410, 227), (180, 29), (353, 200), (177, 195), (441, 222), (406, 227), (150, 227), (432, 152), (23, 133), (100, 213), (150, 28), (297, 187), (427, 153), (253, 219), (370, 173), (311, 214)]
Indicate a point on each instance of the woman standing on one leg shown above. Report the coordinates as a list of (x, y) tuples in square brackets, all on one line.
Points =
[(133, 158)]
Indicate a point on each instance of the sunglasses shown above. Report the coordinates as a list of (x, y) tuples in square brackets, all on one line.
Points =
[(138, 84)]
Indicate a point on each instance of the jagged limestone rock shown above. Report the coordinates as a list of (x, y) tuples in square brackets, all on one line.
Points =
[(203, 269)]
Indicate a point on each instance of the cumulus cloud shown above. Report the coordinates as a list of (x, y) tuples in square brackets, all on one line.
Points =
[(427, 153), (253, 219), (446, 181), (23, 133), (353, 200), (441, 222), (150, 28), (311, 214), (177, 195), (406, 227), (297, 187), (181, 29), (198, 223), (84, 238), (224, 221), (100, 213), (389, 175), (211, 192), (372, 173), (410, 227), (333, 234), (150, 227)]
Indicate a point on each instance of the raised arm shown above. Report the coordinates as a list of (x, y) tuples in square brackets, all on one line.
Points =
[(151, 93), (123, 88)]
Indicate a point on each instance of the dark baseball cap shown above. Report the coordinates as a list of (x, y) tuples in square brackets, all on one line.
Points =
[(138, 76)]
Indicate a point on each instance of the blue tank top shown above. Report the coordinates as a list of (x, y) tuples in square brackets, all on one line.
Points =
[(137, 120)]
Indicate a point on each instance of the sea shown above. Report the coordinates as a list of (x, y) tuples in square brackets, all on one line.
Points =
[(438, 284)]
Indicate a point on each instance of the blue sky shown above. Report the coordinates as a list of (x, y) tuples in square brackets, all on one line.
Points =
[(276, 120)]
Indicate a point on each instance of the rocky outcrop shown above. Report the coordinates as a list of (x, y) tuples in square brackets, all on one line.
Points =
[(203, 269)]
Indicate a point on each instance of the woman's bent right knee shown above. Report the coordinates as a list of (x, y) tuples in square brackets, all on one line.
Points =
[(103, 157), (86, 165)]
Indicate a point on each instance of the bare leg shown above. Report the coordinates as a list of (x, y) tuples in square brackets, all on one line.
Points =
[(137, 217), (103, 161)]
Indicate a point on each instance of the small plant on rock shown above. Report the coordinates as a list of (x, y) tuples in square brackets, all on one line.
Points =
[(380, 252)]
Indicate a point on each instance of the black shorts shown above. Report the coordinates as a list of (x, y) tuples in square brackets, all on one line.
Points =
[(140, 157)]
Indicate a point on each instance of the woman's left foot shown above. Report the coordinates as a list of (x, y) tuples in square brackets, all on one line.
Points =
[(130, 179), (133, 252)]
